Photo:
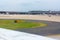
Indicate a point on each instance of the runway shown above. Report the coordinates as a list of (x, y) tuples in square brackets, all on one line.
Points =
[(32, 17)]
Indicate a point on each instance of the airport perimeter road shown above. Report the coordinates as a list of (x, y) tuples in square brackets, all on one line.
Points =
[(52, 28)]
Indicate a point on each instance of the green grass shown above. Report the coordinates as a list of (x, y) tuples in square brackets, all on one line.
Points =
[(9, 24)]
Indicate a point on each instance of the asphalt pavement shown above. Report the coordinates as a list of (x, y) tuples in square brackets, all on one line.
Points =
[(51, 28)]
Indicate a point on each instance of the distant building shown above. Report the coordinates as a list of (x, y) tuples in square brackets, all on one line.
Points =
[(2, 12), (32, 13)]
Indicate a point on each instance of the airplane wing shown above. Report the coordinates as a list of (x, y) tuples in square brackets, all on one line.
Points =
[(6, 34)]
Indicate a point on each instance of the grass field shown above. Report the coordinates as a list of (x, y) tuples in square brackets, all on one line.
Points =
[(10, 24)]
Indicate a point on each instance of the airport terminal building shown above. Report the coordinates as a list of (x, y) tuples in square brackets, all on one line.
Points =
[(32, 12)]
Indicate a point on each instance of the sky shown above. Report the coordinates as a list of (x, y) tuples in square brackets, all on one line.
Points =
[(29, 5)]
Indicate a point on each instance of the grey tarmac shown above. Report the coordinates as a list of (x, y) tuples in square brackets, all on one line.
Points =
[(51, 28)]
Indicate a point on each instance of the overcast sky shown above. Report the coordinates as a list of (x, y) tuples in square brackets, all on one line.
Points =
[(26, 5)]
